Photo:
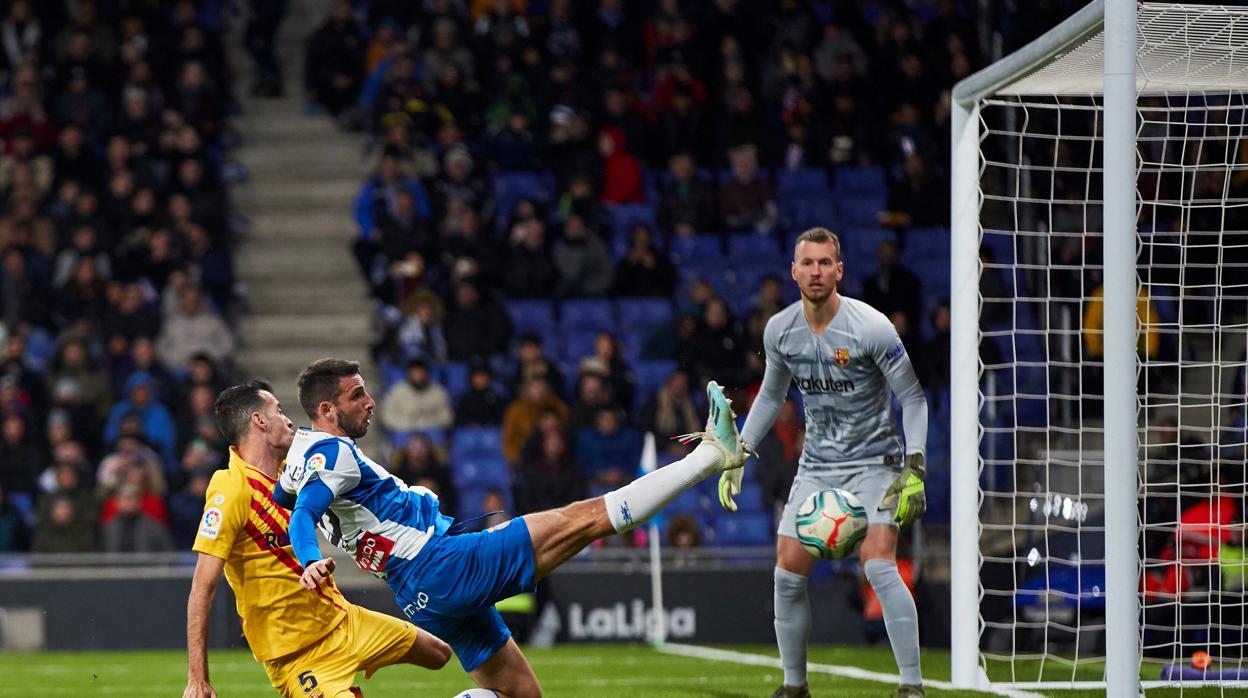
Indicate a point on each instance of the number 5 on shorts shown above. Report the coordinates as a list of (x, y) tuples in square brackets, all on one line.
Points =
[(308, 681)]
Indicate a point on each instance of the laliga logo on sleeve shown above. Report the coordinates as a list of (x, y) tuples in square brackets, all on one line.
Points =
[(315, 463), (211, 525)]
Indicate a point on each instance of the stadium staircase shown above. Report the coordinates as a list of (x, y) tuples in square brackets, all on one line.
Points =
[(305, 294)]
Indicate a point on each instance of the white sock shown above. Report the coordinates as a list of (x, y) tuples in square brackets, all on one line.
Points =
[(642, 498), (901, 618), (792, 609)]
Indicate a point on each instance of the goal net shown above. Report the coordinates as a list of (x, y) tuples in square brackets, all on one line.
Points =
[(1035, 172)]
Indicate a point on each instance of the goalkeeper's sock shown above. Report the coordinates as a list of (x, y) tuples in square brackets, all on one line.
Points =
[(634, 503), (792, 625), (901, 618)]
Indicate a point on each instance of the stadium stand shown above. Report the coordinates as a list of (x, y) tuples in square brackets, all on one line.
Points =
[(117, 231)]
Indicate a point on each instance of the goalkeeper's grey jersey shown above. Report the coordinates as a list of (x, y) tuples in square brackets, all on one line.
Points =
[(846, 376)]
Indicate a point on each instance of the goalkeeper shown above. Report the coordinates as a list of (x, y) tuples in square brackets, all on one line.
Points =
[(846, 358)]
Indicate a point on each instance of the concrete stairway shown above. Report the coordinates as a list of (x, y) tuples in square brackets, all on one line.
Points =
[(306, 296)]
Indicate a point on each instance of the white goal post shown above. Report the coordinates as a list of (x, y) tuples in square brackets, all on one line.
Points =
[(1079, 163)]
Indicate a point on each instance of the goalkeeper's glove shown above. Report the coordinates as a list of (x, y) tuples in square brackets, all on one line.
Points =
[(905, 496), (730, 482)]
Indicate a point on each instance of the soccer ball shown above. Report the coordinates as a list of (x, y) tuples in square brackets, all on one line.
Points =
[(831, 524), (477, 693)]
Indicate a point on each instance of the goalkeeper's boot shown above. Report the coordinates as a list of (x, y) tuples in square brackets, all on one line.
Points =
[(791, 692), (721, 429), (910, 690)]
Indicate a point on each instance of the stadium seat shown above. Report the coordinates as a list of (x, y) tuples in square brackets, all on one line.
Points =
[(861, 210), (468, 441), (855, 181), (860, 245), (651, 375), (536, 316), (800, 212), (471, 496), (625, 216), (586, 314), (803, 179), (703, 246), (754, 249), (399, 438), (691, 502), (511, 187), (453, 375), (481, 472), (743, 529), (642, 313), (576, 345)]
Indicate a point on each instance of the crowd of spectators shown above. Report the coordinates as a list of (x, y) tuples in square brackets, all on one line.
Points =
[(559, 151), (116, 275)]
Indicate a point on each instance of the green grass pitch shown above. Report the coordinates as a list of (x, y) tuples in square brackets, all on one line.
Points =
[(571, 670)]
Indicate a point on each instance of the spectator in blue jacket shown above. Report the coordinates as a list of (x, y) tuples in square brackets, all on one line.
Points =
[(609, 452), (378, 204), (158, 424)]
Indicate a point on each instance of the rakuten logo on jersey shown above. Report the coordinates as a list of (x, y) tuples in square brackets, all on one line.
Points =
[(813, 386), (372, 551)]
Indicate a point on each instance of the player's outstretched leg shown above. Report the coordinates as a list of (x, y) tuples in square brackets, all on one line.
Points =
[(562, 533)]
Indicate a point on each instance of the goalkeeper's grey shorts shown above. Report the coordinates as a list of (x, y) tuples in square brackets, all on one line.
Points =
[(867, 483)]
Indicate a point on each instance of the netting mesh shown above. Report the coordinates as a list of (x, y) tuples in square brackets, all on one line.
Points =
[(1041, 350)]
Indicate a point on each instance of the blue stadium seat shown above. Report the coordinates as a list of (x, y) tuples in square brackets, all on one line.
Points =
[(625, 216), (861, 210), (511, 187), (24, 503), (576, 345), (471, 496), (800, 212), (804, 179), (692, 502), (586, 314), (651, 375), (860, 245), (743, 529), (468, 441), (399, 438), (641, 313), (453, 375), (391, 373), (481, 472), (536, 316), (754, 249), (853, 181), (702, 246), (631, 341)]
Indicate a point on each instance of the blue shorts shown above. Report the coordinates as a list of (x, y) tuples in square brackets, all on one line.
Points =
[(451, 587)]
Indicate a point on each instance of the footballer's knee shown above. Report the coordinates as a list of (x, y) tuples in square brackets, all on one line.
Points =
[(881, 543), (429, 652)]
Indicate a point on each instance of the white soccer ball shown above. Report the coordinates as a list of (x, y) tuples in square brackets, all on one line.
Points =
[(477, 693), (831, 524)]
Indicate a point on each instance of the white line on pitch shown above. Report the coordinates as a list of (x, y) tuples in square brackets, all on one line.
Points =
[(849, 672)]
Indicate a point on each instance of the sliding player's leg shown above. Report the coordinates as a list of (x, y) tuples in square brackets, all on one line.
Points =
[(508, 673), (561, 533)]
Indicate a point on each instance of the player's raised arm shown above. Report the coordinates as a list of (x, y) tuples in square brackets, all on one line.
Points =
[(890, 355), (776, 379)]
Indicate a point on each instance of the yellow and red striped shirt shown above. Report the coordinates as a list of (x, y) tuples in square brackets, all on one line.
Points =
[(245, 527)]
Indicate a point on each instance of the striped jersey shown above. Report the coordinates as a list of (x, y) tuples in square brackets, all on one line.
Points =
[(245, 527), (375, 517), (846, 376)]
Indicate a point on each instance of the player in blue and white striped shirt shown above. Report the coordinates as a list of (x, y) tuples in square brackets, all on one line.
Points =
[(847, 360), (447, 582)]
